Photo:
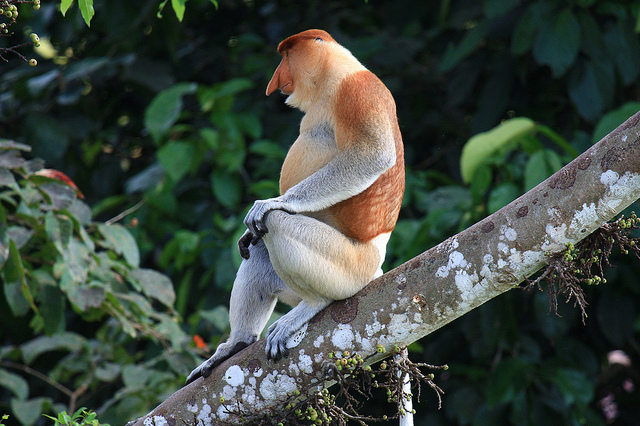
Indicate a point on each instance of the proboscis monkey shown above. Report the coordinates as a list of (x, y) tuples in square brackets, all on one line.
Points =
[(324, 238)]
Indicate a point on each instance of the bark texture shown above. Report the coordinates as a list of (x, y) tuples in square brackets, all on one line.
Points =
[(428, 291)]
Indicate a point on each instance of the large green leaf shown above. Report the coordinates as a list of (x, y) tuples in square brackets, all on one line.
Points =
[(574, 385), (120, 240), (541, 165), (15, 383), (502, 195), (557, 42), (64, 341), (16, 288), (493, 8), (226, 187), (176, 159), (613, 119), (165, 108), (29, 411), (156, 285), (591, 88), (483, 145), (86, 297)]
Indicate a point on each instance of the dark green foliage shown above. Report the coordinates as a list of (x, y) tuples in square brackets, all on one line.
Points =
[(167, 122)]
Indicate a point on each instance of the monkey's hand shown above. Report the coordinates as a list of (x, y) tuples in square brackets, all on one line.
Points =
[(243, 244), (254, 220), (225, 350)]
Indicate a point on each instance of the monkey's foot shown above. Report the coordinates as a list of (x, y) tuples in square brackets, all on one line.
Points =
[(224, 351), (280, 331)]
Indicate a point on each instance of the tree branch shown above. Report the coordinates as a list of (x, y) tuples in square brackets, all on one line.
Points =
[(428, 291)]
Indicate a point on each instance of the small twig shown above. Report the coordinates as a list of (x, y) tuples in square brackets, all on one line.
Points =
[(38, 375), (125, 213)]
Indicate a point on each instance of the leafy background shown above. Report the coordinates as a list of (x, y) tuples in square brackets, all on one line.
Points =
[(168, 119)]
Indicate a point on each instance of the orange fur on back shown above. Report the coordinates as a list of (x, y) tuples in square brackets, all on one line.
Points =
[(374, 211)]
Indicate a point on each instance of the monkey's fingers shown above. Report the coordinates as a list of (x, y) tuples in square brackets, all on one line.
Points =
[(244, 242)]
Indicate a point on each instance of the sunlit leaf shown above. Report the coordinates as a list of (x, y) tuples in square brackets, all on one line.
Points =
[(86, 9), (64, 6), (484, 145), (179, 8)]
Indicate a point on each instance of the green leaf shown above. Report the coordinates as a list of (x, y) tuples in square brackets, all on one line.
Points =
[(226, 187), (15, 283), (502, 195), (233, 87), (480, 182), (64, 6), (504, 383), (493, 8), (540, 166), (557, 42), (87, 297), (613, 119), (469, 43), (574, 386), (86, 9), (59, 229), (19, 234), (624, 48), (591, 88), (176, 159), (120, 240), (75, 260), (14, 383), (52, 304), (60, 195), (525, 30), (29, 411), (64, 341), (155, 285), (218, 316), (4, 244), (483, 145), (179, 8), (165, 108)]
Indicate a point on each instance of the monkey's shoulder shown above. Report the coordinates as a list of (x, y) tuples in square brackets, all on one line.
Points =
[(363, 90)]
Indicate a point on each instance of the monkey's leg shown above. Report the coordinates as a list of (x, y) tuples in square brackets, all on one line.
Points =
[(255, 292), (319, 263)]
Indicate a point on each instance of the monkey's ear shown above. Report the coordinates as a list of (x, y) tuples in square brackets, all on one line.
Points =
[(281, 78)]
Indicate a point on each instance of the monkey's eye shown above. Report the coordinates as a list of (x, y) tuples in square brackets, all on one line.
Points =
[(319, 39)]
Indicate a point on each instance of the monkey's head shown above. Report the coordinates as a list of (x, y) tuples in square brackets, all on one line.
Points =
[(306, 69)]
